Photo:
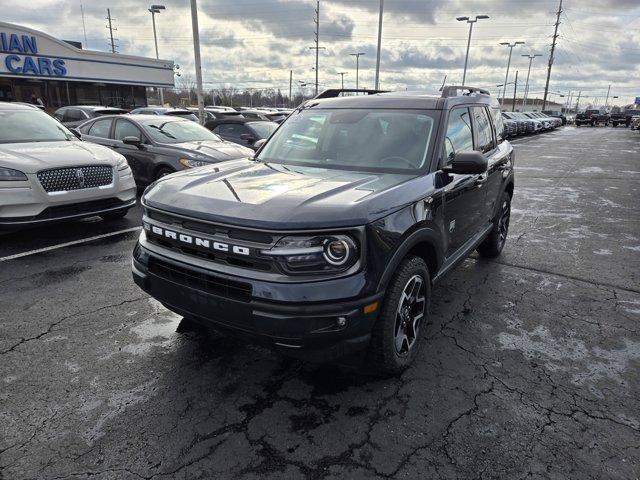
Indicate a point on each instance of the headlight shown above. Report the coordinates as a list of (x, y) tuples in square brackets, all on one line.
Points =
[(11, 175), (189, 163), (315, 254), (122, 164)]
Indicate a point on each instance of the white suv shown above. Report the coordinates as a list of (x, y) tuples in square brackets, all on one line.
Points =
[(47, 174)]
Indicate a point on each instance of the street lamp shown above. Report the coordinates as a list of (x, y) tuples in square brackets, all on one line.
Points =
[(156, 9), (342, 74), (506, 77), (470, 22), (531, 56), (357, 55)]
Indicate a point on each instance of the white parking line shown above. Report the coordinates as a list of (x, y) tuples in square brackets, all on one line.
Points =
[(67, 244)]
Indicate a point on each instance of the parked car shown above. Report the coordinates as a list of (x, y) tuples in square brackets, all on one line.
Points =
[(156, 146), (547, 123), (243, 131), (525, 124), (556, 114), (74, 116), (174, 112), (623, 117), (265, 115), (510, 127), (593, 117), (48, 175), (329, 241)]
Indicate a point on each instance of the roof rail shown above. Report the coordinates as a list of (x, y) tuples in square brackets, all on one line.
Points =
[(335, 92), (452, 91)]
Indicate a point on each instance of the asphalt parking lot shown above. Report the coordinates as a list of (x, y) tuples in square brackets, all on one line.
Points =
[(530, 367)]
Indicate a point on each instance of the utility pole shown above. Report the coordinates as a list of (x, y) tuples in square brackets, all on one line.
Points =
[(342, 74), (196, 54), (526, 87), (578, 101), (606, 102), (515, 88), (317, 48), (357, 55), (111, 29), (553, 48), (290, 87), (506, 77), (377, 87), (470, 22)]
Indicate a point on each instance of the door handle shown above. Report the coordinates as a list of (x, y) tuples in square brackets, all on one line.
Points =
[(481, 180)]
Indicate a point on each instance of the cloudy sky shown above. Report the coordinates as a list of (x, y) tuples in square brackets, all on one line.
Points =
[(254, 43)]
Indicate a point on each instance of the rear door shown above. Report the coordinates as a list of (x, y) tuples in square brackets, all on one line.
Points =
[(499, 161)]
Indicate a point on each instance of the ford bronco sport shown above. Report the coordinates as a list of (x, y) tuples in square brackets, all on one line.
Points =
[(328, 241)]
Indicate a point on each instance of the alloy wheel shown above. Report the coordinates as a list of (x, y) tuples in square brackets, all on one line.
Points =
[(409, 314)]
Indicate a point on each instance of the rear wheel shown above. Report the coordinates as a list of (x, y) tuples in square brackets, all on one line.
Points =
[(395, 339), (492, 246)]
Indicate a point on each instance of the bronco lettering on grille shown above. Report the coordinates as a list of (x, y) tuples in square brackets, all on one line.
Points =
[(195, 241)]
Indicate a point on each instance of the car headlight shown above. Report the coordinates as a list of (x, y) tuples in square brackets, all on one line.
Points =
[(191, 163), (315, 254), (122, 164), (11, 175)]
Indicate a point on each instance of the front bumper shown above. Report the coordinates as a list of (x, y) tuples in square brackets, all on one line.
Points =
[(313, 331), (27, 203)]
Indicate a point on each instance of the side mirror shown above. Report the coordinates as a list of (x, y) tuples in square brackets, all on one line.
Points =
[(260, 143), (135, 141), (468, 163), (248, 137), (76, 132)]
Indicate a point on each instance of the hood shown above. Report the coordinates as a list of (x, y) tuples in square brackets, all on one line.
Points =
[(280, 197), (218, 151), (35, 156)]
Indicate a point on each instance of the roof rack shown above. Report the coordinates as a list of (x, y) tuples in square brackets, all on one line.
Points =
[(452, 91), (335, 92)]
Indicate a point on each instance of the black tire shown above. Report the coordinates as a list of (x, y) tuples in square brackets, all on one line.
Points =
[(163, 171), (118, 214), (492, 246), (396, 319)]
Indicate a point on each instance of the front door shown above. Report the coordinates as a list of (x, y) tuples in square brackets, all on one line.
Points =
[(464, 195), (140, 159)]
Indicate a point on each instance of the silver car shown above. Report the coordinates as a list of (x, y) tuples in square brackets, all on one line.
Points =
[(47, 174)]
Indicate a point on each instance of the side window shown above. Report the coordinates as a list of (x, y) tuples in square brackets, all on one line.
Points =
[(231, 129), (85, 128), (100, 128), (59, 114), (484, 135), (498, 124), (124, 128), (459, 135)]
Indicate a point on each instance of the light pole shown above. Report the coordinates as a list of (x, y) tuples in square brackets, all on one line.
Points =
[(357, 55), (342, 74), (506, 77), (379, 45), (156, 9), (531, 56), (196, 53), (470, 22)]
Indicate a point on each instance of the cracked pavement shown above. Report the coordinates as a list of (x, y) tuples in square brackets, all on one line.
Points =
[(528, 369)]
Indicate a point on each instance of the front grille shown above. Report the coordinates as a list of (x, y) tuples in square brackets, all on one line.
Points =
[(201, 281), (75, 178), (62, 211)]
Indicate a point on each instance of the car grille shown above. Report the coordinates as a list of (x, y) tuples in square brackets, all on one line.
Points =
[(204, 282), (75, 178)]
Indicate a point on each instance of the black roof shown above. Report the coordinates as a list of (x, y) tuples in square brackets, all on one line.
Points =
[(450, 97)]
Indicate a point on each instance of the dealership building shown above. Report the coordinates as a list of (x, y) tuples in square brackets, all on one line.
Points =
[(61, 73)]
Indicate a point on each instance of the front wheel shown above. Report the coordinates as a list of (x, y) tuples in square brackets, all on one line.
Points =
[(395, 338), (492, 246)]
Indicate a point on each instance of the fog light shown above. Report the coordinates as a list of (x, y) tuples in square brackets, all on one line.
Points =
[(341, 321)]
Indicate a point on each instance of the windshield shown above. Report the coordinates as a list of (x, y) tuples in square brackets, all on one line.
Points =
[(355, 139), (177, 131), (263, 129), (18, 126)]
